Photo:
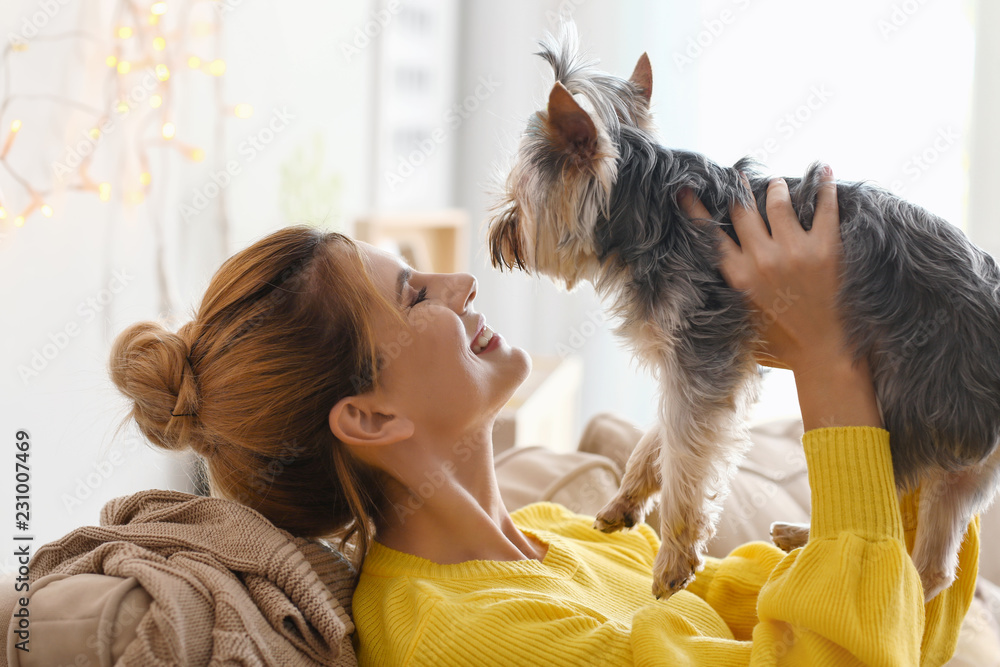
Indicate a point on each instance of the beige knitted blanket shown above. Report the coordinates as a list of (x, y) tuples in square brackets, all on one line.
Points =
[(227, 586)]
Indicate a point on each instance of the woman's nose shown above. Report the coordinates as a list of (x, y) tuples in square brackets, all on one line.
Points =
[(459, 291)]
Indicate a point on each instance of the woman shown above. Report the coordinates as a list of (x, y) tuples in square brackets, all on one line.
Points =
[(376, 388)]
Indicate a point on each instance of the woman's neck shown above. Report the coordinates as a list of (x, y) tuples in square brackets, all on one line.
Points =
[(449, 510)]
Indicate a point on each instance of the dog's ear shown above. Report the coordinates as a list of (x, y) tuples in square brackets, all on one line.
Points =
[(642, 77), (570, 124)]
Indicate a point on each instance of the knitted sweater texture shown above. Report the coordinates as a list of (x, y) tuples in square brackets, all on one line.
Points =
[(851, 596)]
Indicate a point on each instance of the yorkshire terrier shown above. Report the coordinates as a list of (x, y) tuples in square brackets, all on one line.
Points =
[(593, 195)]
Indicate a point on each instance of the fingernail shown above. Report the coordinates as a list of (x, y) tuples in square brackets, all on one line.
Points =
[(827, 171)]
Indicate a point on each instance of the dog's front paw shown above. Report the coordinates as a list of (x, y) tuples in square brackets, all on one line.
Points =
[(789, 536), (620, 513), (935, 581), (674, 569)]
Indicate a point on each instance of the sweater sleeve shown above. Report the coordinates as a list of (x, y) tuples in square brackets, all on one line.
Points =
[(852, 594)]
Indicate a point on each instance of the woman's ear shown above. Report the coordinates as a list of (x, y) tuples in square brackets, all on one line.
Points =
[(356, 421)]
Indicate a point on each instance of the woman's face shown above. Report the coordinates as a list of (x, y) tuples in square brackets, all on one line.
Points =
[(436, 372)]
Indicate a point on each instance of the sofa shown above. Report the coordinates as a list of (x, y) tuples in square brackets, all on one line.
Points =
[(772, 484)]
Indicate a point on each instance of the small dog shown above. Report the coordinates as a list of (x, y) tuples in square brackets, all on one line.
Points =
[(593, 196)]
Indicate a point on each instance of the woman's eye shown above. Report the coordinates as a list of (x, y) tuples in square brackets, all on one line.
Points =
[(421, 295)]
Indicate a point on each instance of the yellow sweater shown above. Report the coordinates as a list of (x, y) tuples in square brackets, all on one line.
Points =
[(851, 596)]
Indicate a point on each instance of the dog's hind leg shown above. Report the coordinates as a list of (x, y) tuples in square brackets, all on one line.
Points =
[(948, 501)]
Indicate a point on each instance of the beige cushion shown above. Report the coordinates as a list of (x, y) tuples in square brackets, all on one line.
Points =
[(83, 619)]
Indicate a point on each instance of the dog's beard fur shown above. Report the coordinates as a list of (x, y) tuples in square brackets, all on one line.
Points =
[(592, 196)]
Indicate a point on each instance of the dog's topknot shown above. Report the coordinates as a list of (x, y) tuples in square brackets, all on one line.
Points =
[(615, 100)]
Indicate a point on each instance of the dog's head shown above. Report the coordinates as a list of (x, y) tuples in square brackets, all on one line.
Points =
[(566, 166)]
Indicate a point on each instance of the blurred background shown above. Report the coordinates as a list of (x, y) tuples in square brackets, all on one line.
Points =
[(142, 143)]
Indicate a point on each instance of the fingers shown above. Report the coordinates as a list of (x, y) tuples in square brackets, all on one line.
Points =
[(784, 221), (826, 220), (697, 212), (747, 222)]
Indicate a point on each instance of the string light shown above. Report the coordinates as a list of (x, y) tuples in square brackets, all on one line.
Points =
[(148, 49)]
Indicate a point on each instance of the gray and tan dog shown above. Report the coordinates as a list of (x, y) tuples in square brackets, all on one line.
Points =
[(593, 195)]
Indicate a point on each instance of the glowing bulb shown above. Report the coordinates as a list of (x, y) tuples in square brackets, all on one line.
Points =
[(153, 19), (111, 61), (155, 101), (46, 210), (145, 178), (104, 191), (124, 32), (19, 46), (94, 133), (3, 213), (15, 126), (194, 62), (159, 43), (169, 130), (124, 66), (243, 110), (162, 72), (19, 221), (197, 154), (218, 67), (158, 8), (122, 107)]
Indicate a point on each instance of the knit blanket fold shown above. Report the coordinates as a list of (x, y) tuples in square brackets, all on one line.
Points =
[(227, 585)]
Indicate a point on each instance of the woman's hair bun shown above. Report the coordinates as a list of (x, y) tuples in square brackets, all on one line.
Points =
[(151, 366)]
